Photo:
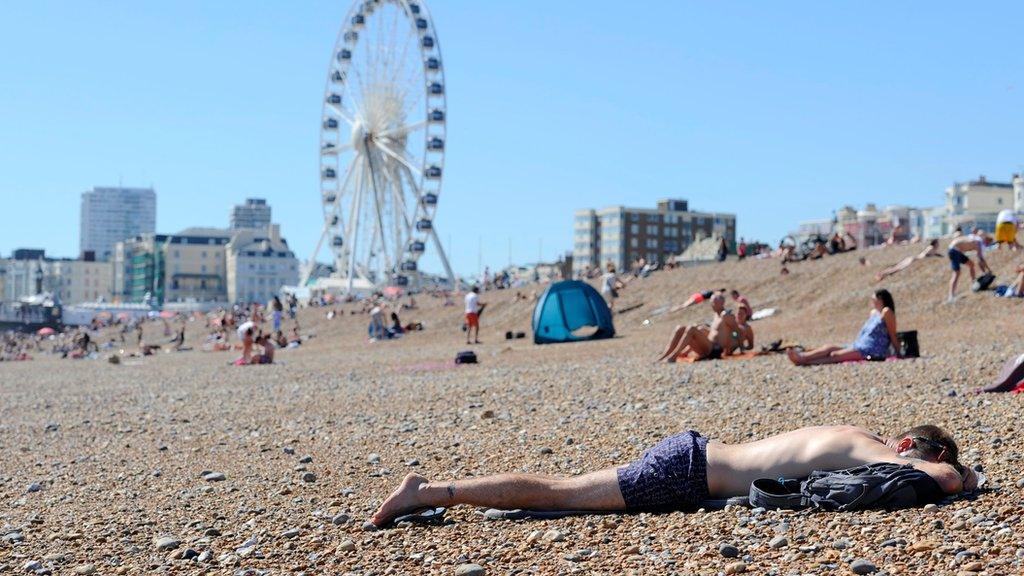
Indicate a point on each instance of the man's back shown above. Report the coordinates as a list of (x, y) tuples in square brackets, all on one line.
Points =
[(795, 454)]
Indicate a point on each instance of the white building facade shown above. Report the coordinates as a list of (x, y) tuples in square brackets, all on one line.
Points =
[(253, 215), (110, 215), (259, 263)]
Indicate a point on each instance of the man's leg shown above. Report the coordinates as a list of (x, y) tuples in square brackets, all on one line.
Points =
[(952, 283), (676, 335), (594, 491)]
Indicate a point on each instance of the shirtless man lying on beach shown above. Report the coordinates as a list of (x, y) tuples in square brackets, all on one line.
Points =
[(681, 471)]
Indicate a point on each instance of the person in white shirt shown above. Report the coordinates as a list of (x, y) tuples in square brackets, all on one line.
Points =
[(473, 308), (610, 286)]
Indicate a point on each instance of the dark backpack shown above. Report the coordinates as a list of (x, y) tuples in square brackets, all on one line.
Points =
[(465, 357), (871, 486)]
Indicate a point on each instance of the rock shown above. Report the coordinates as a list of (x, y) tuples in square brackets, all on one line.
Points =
[(306, 460), (290, 533), (85, 569), (890, 543), (34, 487), (975, 566), (32, 566), (728, 551), (211, 532), (373, 459), (778, 542), (470, 570), (340, 519), (862, 566), (930, 508), (309, 477), (487, 414), (347, 546), (288, 450), (553, 536), (545, 450), (736, 567), (189, 554), (1020, 483), (369, 526), (413, 462), (166, 543), (634, 550), (13, 537), (214, 477), (923, 546), (204, 557)]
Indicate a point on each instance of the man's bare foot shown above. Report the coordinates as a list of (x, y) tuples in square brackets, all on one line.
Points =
[(794, 356), (404, 499)]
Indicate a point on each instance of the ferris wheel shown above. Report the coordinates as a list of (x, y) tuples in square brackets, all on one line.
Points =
[(382, 144)]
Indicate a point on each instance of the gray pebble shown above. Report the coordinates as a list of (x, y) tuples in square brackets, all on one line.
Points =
[(347, 546), (34, 487), (470, 570), (373, 458), (841, 544), (288, 450), (13, 537), (166, 543), (189, 554), (778, 542), (545, 450), (309, 477), (1020, 483), (862, 566), (290, 533), (728, 551), (32, 566), (369, 526), (204, 557), (413, 462), (340, 519), (306, 460), (214, 477)]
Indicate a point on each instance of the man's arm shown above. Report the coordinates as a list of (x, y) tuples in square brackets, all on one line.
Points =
[(944, 474)]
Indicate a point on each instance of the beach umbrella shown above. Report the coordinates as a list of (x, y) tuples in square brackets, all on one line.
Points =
[(46, 331), (243, 327)]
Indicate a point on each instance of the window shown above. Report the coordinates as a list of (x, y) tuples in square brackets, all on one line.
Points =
[(633, 242), (634, 228), (652, 243), (203, 267), (202, 254), (177, 254), (652, 229), (634, 217)]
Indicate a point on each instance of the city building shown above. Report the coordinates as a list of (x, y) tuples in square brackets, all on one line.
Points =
[(258, 264), (622, 235), (253, 215), (1018, 193), (29, 272), (110, 215), (185, 267), (77, 281), (977, 203)]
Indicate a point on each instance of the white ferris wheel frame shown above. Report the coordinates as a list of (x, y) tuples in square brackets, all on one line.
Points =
[(381, 171)]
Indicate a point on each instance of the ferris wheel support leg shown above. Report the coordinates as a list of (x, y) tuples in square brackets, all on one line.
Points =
[(444, 258), (312, 258)]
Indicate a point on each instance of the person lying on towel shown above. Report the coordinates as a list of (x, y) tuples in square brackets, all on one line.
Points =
[(877, 337), (683, 470)]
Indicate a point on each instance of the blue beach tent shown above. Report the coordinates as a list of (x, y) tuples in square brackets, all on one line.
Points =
[(567, 306)]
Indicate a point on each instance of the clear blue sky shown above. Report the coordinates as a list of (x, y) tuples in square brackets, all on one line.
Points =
[(777, 111)]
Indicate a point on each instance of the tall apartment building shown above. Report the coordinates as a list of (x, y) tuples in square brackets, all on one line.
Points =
[(253, 215), (621, 235), (110, 215), (259, 263)]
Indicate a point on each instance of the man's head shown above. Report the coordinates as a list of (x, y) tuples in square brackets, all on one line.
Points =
[(735, 294), (718, 302), (931, 443), (474, 290)]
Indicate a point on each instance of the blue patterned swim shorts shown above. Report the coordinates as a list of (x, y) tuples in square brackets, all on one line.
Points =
[(672, 475)]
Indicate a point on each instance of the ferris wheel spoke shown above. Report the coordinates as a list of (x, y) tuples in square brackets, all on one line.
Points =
[(399, 158), (404, 129), (335, 149), (342, 114)]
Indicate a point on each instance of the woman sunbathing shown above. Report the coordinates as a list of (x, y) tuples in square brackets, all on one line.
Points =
[(877, 337)]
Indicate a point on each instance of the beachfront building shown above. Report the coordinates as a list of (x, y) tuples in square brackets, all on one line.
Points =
[(1018, 193), (258, 264), (29, 272), (253, 215), (977, 203), (622, 235), (112, 214), (77, 281), (871, 226), (185, 267)]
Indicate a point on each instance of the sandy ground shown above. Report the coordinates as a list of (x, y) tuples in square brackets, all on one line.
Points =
[(101, 461)]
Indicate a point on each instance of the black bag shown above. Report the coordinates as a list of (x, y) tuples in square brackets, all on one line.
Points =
[(872, 486), (983, 282), (466, 357), (906, 344)]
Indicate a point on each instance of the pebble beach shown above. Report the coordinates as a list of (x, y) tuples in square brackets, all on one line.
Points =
[(180, 463)]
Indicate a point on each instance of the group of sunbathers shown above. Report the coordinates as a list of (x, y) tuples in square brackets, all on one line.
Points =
[(728, 333)]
